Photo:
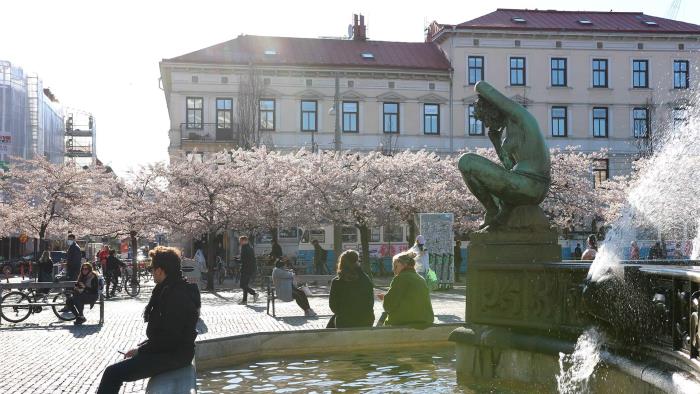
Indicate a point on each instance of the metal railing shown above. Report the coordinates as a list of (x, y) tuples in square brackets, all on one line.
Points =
[(205, 132)]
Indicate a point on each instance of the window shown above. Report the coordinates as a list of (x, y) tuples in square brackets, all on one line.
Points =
[(475, 126), (308, 115), (680, 118), (559, 122), (476, 69), (315, 234), (558, 70), (375, 234), (349, 234), (681, 77), (194, 112), (517, 71), (600, 171), (640, 121), (391, 117), (267, 115), (393, 233), (640, 73), (600, 73), (224, 113), (600, 121), (350, 111), (431, 118)]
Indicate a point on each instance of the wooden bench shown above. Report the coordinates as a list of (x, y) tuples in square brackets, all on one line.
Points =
[(271, 296), (45, 285)]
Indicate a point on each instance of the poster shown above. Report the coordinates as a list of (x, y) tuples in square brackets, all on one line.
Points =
[(437, 228)]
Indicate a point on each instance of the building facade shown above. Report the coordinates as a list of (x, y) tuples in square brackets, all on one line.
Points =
[(31, 119), (594, 80)]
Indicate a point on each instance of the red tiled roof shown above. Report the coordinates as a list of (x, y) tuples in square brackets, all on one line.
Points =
[(617, 22), (320, 52)]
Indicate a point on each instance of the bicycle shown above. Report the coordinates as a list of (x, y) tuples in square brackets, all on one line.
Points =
[(20, 304), (127, 283)]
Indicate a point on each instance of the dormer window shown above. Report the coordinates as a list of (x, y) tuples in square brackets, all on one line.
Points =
[(585, 22), (270, 52), (367, 55), (518, 19), (650, 23)]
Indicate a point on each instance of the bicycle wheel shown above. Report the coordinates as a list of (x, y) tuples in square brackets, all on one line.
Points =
[(133, 288), (61, 298), (19, 311)]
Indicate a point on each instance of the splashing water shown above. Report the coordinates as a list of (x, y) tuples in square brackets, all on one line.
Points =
[(576, 369)]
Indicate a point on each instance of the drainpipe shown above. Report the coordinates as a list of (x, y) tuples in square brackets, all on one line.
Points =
[(452, 71)]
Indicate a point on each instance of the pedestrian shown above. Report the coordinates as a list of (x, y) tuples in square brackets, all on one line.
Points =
[(201, 263), (408, 300), (45, 273), (73, 258), (276, 252), (171, 315), (655, 251), (320, 258), (634, 251), (422, 265), (285, 290), (248, 269), (352, 294), (102, 256), (458, 258), (592, 249), (577, 252), (678, 252), (84, 292), (112, 271)]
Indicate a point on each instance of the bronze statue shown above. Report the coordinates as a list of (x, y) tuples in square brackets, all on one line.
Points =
[(524, 177)]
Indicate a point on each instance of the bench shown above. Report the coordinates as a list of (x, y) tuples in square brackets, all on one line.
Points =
[(271, 296), (45, 285)]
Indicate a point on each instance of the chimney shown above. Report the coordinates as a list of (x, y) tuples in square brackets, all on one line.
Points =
[(359, 30)]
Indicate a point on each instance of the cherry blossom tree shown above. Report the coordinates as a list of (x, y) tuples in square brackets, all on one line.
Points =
[(43, 199)]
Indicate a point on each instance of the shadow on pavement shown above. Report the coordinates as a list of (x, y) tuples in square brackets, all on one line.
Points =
[(84, 330), (202, 326), (449, 319)]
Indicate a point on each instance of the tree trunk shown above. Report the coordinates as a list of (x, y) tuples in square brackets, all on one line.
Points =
[(364, 240), (337, 241), (211, 259), (274, 234), (134, 256), (411, 236)]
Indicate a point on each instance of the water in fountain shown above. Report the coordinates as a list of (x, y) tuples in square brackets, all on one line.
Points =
[(575, 369)]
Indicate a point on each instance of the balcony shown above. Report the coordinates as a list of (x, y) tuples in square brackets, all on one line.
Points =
[(206, 133)]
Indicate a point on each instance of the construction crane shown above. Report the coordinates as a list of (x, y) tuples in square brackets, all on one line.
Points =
[(672, 12)]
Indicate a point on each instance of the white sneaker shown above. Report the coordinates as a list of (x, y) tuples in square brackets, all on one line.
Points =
[(255, 297), (309, 313)]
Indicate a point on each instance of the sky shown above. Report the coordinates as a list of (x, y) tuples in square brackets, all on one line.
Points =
[(102, 56)]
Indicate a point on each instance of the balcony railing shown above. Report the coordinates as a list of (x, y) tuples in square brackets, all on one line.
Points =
[(205, 132)]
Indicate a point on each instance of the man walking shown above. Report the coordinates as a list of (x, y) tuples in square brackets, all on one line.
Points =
[(320, 257), (248, 269), (171, 314), (73, 259)]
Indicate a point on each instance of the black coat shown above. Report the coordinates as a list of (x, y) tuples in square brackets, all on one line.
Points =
[(172, 319), (113, 265), (352, 302), (73, 257), (248, 266)]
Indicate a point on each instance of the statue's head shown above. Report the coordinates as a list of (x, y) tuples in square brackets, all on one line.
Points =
[(488, 113)]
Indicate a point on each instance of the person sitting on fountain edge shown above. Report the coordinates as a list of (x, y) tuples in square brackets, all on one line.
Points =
[(171, 314), (408, 300), (352, 294)]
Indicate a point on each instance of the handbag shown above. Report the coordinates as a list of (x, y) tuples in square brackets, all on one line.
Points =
[(431, 280)]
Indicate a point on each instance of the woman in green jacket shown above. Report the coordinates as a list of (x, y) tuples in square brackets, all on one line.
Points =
[(408, 300), (352, 294)]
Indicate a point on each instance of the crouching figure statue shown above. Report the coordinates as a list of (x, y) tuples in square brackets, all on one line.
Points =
[(523, 179)]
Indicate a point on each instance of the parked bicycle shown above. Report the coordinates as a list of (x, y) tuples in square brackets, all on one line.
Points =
[(128, 284), (19, 304)]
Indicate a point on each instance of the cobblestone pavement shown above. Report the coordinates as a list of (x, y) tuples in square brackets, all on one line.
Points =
[(44, 355)]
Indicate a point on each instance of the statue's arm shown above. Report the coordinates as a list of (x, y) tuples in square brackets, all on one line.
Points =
[(500, 101), (496, 139)]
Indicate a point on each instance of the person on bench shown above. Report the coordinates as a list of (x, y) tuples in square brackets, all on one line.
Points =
[(283, 280), (352, 294), (84, 292), (171, 315), (408, 300)]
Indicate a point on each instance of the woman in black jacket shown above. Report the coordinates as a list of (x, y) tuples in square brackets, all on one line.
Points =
[(352, 294), (84, 292)]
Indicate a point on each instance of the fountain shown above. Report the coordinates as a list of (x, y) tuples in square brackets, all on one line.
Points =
[(526, 308)]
